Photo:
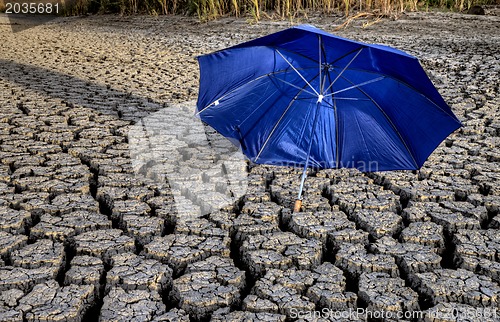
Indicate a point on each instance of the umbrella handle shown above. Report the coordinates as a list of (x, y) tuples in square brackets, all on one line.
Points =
[(297, 206), (298, 202)]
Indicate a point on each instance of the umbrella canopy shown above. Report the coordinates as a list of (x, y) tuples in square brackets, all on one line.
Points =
[(304, 97)]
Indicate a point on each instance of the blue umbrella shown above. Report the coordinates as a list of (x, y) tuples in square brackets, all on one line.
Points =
[(304, 97)]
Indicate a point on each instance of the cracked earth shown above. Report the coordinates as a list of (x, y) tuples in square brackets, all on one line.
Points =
[(83, 238)]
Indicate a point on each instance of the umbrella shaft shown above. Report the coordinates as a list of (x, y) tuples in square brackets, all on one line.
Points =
[(304, 172)]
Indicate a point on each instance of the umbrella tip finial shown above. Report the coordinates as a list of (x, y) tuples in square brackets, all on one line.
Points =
[(320, 98)]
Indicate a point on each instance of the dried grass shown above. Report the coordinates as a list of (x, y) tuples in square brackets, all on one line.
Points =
[(257, 9)]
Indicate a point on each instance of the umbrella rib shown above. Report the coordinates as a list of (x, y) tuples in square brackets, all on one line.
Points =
[(357, 86), (322, 53), (237, 88), (304, 172), (345, 55), (320, 78), (388, 120), (351, 98), (295, 98), (272, 131), (294, 53), (337, 98), (255, 109), (277, 123), (295, 86), (310, 86), (334, 106), (343, 70)]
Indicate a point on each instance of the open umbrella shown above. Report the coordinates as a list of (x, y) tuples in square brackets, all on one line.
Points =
[(304, 97)]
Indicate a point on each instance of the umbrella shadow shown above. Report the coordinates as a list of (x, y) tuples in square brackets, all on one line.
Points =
[(77, 91), (20, 22)]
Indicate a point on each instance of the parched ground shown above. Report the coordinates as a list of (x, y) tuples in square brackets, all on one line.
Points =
[(83, 238)]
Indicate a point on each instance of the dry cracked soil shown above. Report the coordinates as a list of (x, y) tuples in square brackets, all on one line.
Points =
[(83, 238)]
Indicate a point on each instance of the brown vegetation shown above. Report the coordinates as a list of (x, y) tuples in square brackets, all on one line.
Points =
[(257, 9)]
